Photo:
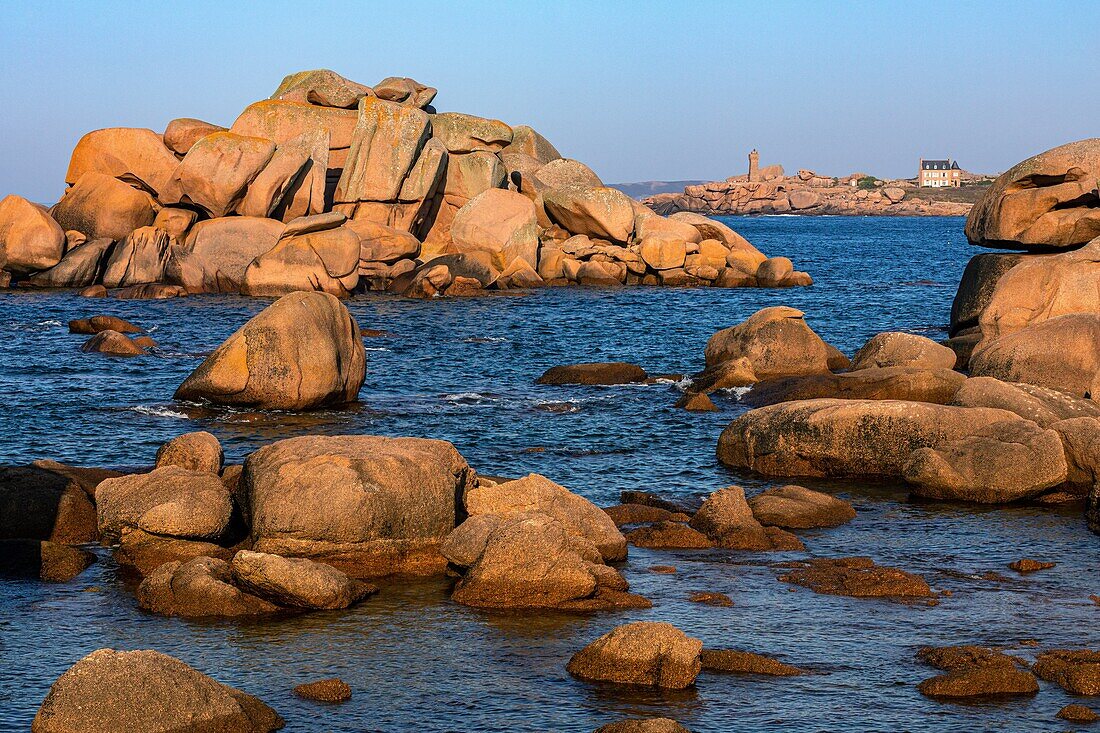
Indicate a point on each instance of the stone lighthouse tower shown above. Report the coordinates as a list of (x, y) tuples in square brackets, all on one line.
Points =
[(754, 166)]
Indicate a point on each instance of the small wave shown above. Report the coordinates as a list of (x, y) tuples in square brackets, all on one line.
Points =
[(159, 412), (682, 384), (375, 348), (485, 340), (35, 325), (737, 392), (468, 398)]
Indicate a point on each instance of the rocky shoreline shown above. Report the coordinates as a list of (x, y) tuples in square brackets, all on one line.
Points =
[(1004, 413)]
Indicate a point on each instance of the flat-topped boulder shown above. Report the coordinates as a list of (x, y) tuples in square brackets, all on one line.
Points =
[(830, 437), (608, 373), (367, 505), (1047, 202), (112, 690), (741, 662), (302, 352)]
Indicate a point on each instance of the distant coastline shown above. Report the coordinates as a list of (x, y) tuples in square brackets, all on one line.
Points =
[(810, 194)]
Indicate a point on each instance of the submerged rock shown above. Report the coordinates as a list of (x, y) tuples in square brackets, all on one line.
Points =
[(857, 577), (730, 660), (112, 343), (331, 690), (1077, 671), (980, 682), (302, 352), (668, 535), (643, 725), (596, 373), (1078, 714), (642, 653), (110, 691)]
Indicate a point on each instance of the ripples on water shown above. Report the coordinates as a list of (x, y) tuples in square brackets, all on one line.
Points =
[(463, 370)]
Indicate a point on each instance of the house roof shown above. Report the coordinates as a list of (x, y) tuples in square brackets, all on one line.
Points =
[(939, 165)]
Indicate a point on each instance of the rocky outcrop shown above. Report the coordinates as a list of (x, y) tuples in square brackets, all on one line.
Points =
[(110, 690), (641, 653), (331, 690), (739, 662), (976, 287), (829, 437), (1047, 202), (367, 505), (456, 184), (1077, 671), (302, 352), (202, 587)]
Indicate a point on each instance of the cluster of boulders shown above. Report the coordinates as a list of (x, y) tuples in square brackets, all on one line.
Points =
[(806, 193), (897, 410), (333, 186)]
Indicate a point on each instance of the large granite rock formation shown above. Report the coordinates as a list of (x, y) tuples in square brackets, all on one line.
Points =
[(456, 185)]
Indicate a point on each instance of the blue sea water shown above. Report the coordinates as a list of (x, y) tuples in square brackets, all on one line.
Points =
[(464, 370)]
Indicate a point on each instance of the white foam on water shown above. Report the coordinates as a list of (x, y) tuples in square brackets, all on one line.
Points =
[(375, 348), (485, 340), (159, 412), (468, 398), (737, 392)]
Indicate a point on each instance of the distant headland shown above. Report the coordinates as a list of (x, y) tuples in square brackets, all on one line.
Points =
[(941, 188)]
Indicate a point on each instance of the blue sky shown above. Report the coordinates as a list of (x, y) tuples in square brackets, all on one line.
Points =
[(638, 90)]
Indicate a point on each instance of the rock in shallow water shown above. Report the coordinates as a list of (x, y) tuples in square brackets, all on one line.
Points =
[(302, 352), (595, 373), (730, 660), (109, 691), (641, 653), (332, 690), (796, 507)]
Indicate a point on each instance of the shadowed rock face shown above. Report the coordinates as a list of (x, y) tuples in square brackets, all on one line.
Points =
[(1061, 353), (642, 653), (976, 287), (730, 660), (41, 504), (617, 372), (145, 690), (302, 352), (1047, 202)]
